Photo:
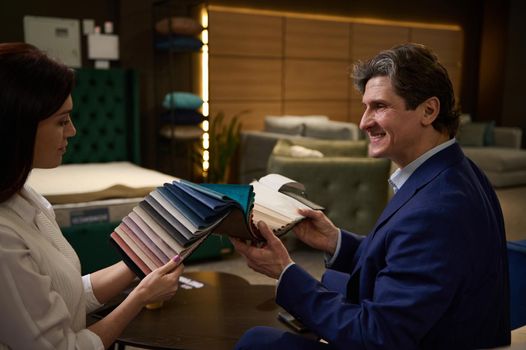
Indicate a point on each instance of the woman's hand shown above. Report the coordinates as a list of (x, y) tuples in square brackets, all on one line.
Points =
[(161, 284), (317, 231), (269, 259)]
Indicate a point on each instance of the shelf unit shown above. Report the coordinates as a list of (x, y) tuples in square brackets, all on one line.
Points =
[(177, 59)]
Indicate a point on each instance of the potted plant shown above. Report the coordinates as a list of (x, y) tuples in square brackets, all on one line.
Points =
[(224, 137)]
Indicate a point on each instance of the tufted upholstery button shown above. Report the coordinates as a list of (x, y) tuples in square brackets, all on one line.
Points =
[(102, 116), (364, 187)]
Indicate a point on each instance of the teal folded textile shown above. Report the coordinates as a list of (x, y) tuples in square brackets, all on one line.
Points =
[(184, 100), (178, 44)]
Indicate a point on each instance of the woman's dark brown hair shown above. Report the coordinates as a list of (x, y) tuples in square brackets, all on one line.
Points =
[(32, 88)]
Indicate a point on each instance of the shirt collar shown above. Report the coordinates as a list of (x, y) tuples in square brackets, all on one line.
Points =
[(28, 204), (400, 176)]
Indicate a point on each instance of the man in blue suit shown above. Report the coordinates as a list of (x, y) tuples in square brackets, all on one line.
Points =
[(432, 274)]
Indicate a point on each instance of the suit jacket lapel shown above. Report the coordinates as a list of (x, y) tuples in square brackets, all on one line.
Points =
[(421, 177)]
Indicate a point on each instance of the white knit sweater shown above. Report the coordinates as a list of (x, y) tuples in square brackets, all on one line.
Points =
[(43, 299)]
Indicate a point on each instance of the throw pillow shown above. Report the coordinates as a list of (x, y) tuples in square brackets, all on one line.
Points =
[(489, 134), (178, 25), (303, 152), (472, 134), (184, 100)]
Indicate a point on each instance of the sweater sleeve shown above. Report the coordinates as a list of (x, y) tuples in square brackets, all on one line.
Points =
[(34, 316)]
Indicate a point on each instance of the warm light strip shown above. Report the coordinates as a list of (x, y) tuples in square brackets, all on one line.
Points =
[(205, 91), (363, 20)]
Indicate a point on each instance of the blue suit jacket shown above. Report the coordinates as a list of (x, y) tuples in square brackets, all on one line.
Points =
[(432, 274)]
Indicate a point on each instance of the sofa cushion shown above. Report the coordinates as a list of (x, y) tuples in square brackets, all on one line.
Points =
[(476, 134), (497, 158), (471, 134), (290, 124), (284, 126), (330, 130)]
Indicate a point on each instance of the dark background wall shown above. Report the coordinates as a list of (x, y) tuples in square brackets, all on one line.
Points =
[(494, 43), (13, 12)]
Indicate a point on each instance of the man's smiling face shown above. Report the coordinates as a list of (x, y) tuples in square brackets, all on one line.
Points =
[(394, 131)]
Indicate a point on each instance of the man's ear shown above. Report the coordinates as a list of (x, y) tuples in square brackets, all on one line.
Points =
[(431, 108)]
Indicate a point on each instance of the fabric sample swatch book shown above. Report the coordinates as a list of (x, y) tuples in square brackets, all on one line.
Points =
[(176, 218)]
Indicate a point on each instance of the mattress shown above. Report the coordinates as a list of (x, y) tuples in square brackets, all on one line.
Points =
[(95, 193)]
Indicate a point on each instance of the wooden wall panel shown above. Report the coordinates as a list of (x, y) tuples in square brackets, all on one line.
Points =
[(335, 110), (255, 114), (316, 79), (245, 34), (240, 79), (369, 39), (306, 38), (274, 65), (455, 72), (447, 44)]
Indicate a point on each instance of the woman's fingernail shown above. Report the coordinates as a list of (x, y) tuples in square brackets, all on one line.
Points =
[(176, 258)]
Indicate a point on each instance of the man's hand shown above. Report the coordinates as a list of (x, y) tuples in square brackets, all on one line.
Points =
[(269, 259), (317, 231)]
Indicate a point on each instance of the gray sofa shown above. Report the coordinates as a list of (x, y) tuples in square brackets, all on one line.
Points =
[(496, 150), (256, 146), (351, 186)]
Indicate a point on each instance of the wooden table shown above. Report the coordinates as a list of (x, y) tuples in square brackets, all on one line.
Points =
[(212, 317)]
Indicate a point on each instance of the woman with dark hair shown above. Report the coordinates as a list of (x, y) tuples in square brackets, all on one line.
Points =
[(43, 297)]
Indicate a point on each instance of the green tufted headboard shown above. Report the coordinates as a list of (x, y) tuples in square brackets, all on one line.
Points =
[(106, 115)]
